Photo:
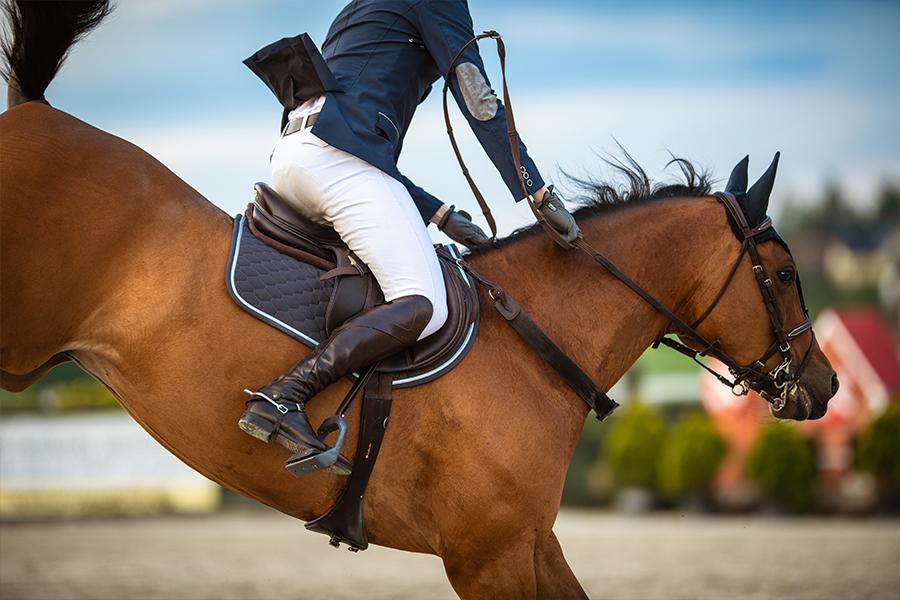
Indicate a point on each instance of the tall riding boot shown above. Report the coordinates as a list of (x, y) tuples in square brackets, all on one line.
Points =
[(278, 410)]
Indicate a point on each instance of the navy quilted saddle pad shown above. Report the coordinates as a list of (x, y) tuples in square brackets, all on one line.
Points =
[(287, 294)]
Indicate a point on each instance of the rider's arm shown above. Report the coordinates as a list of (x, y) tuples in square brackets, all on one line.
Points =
[(445, 28)]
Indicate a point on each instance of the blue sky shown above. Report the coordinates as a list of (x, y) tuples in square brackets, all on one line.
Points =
[(710, 81)]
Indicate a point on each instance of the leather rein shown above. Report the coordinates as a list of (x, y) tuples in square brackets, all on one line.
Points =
[(773, 385)]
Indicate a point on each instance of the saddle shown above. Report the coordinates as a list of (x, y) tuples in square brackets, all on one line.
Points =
[(299, 277), (326, 284)]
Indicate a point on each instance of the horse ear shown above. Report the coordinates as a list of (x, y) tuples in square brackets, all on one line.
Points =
[(757, 199), (737, 181)]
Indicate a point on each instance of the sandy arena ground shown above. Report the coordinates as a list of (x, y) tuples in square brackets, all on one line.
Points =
[(261, 555)]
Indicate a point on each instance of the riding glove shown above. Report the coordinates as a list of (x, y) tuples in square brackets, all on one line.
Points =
[(459, 227), (556, 215)]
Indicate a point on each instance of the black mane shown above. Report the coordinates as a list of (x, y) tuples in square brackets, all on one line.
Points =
[(635, 188)]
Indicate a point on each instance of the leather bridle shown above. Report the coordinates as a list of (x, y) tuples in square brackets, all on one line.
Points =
[(773, 385)]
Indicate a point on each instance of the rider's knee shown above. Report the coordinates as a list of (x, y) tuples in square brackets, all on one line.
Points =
[(438, 316)]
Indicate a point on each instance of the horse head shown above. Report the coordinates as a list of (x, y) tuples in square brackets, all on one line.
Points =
[(786, 366)]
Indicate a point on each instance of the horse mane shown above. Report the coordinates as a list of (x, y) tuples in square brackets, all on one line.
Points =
[(38, 38), (634, 188)]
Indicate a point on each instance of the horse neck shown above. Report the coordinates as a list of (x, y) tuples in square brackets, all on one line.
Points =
[(676, 249)]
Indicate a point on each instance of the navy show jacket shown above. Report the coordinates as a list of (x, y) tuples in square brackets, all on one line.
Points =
[(386, 54)]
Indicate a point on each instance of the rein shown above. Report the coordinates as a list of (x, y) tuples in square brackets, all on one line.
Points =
[(513, 143), (744, 377)]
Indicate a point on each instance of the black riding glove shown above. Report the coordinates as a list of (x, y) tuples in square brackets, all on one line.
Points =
[(459, 227), (556, 215)]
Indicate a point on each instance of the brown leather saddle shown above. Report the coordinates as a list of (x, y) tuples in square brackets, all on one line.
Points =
[(274, 222)]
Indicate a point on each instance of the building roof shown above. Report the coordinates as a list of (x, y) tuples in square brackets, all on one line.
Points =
[(862, 341), (872, 335)]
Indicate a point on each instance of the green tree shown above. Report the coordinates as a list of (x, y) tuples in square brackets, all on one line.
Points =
[(690, 458), (782, 464), (835, 212), (879, 447), (633, 446), (887, 210), (78, 394)]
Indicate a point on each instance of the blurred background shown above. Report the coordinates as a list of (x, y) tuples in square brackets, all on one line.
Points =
[(684, 472)]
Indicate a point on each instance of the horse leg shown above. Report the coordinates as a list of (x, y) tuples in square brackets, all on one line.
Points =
[(554, 576), (506, 573)]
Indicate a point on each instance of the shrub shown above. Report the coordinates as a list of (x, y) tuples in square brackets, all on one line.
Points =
[(782, 464), (690, 458), (633, 446), (879, 447), (78, 394), (579, 489)]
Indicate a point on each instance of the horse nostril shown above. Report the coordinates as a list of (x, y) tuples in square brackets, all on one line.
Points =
[(835, 384)]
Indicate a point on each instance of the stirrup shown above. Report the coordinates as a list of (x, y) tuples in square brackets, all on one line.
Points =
[(302, 464)]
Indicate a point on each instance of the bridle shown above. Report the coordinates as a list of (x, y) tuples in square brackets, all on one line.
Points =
[(773, 385), (753, 376)]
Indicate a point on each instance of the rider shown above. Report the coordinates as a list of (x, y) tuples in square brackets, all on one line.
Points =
[(336, 163)]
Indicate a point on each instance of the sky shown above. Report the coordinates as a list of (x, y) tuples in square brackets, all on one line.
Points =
[(709, 81)]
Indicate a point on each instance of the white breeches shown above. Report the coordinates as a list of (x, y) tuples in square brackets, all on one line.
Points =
[(373, 213)]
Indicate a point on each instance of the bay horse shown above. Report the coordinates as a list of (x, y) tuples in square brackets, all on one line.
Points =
[(110, 260)]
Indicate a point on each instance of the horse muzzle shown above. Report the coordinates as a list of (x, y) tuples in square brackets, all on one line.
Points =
[(807, 398)]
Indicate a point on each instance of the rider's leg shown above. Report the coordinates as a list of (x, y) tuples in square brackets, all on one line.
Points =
[(376, 217)]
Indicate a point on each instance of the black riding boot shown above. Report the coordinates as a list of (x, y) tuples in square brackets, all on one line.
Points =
[(277, 412)]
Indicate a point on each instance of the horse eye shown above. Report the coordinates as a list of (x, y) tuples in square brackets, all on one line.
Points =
[(786, 275)]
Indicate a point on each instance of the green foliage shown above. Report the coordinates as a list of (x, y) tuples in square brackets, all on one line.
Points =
[(13, 402), (782, 464), (691, 455), (879, 447), (578, 489), (888, 204), (41, 395), (78, 394), (633, 446)]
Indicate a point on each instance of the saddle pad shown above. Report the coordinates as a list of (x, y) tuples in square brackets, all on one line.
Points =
[(287, 294)]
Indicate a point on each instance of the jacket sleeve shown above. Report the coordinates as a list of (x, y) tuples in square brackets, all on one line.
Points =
[(425, 202), (445, 28)]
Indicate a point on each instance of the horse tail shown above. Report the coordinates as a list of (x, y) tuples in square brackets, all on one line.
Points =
[(37, 41)]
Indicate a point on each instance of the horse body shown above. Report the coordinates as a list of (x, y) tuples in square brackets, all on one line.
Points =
[(111, 260)]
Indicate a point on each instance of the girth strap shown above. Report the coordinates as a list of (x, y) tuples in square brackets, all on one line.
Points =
[(343, 522)]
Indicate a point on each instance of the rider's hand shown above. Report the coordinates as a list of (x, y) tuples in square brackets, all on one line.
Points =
[(556, 215), (459, 227)]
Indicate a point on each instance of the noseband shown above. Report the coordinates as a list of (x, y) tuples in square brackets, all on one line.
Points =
[(773, 385)]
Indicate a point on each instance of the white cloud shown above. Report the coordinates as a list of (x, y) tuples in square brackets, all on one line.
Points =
[(817, 130)]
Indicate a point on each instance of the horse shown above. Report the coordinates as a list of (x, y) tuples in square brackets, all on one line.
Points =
[(110, 260)]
